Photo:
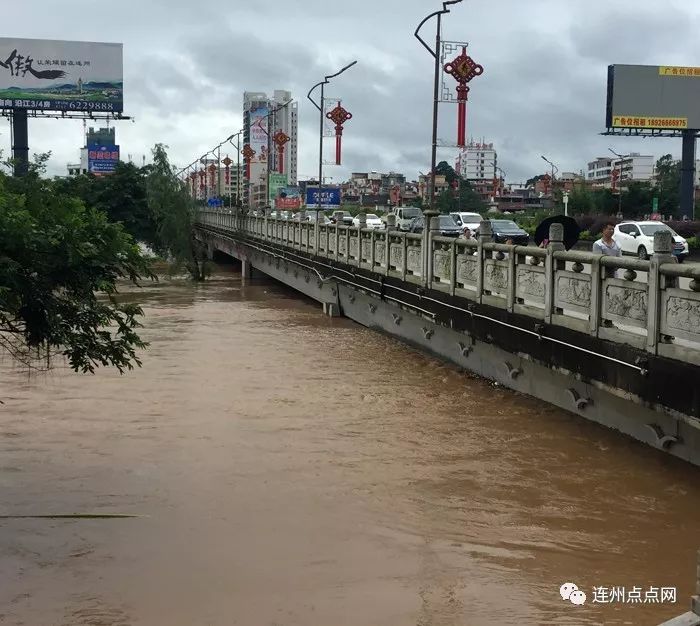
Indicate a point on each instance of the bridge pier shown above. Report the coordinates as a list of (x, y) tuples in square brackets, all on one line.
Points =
[(331, 309), (246, 269)]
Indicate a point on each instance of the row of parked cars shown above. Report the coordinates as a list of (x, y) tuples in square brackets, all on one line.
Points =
[(410, 219), (634, 238)]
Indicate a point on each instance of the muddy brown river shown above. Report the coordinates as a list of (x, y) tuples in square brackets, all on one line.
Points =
[(288, 469)]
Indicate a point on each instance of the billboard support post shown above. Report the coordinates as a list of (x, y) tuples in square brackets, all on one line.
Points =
[(20, 142), (687, 204)]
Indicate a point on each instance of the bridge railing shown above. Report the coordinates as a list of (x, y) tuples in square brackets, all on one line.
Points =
[(653, 304)]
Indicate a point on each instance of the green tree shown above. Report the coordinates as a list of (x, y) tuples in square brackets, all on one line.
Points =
[(531, 182), (581, 200), (174, 214), (60, 264), (445, 169), (121, 196), (668, 184), (637, 199), (605, 202)]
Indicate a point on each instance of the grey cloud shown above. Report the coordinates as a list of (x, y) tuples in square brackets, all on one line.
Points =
[(187, 65)]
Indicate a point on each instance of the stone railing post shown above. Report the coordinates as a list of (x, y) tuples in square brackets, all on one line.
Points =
[(434, 227), (695, 601), (428, 214), (485, 236), (302, 216), (556, 243), (390, 222), (317, 232), (362, 219), (663, 253)]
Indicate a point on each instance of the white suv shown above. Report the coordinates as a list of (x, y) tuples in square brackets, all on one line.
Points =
[(638, 238), (470, 220), (405, 215)]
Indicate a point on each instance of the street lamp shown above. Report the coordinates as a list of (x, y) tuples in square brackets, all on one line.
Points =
[(503, 174), (322, 84), (619, 191), (238, 163), (554, 167), (436, 87)]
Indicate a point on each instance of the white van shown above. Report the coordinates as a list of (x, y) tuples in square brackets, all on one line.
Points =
[(405, 215)]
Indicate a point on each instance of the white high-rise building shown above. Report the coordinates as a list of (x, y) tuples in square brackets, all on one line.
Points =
[(262, 118), (633, 167), (478, 162)]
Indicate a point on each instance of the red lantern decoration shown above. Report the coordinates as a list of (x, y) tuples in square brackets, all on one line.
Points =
[(280, 138), (248, 154), (202, 175), (212, 176), (338, 115), (227, 170), (614, 175), (462, 68)]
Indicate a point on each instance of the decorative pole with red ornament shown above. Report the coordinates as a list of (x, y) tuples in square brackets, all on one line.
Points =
[(435, 53), (280, 138), (248, 154), (319, 105), (463, 69), (339, 116), (202, 182), (212, 178), (227, 174)]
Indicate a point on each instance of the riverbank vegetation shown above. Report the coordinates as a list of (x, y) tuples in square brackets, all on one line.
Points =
[(67, 244)]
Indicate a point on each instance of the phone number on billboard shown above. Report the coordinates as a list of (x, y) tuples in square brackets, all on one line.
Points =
[(625, 121), (60, 105)]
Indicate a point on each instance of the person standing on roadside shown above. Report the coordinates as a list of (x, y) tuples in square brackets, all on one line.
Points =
[(607, 246)]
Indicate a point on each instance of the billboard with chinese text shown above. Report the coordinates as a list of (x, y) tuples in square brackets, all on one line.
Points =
[(277, 181), (102, 159), (655, 97), (51, 75), (257, 133), (288, 198), (330, 197)]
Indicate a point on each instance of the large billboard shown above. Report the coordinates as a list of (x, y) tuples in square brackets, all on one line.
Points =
[(656, 97), (276, 182), (102, 159), (51, 75), (330, 197), (257, 133)]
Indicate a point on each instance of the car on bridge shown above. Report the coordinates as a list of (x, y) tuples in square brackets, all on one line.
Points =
[(638, 238), (503, 230), (310, 216), (344, 217), (373, 222), (467, 220), (447, 227)]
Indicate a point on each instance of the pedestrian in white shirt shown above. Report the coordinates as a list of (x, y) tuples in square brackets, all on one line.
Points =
[(607, 246)]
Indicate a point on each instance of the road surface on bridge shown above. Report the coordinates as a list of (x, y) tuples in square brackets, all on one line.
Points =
[(288, 468)]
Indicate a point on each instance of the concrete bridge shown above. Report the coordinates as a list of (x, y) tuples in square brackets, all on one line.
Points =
[(614, 340)]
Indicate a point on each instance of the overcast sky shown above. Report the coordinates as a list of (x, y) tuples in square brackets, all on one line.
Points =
[(187, 64)]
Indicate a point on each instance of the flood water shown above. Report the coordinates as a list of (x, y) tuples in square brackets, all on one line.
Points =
[(289, 469)]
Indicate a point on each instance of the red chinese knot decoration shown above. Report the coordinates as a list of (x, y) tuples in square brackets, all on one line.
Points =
[(462, 68), (339, 116), (227, 169), (212, 173), (280, 138), (248, 154)]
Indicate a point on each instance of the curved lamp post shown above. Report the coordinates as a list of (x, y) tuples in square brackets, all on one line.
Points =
[(436, 87), (322, 84)]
